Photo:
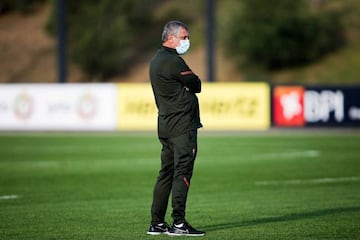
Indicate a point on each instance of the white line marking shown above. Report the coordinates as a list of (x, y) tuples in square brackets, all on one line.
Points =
[(6, 197), (308, 181), (290, 154)]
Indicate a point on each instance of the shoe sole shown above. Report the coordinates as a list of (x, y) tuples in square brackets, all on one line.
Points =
[(186, 234), (157, 233)]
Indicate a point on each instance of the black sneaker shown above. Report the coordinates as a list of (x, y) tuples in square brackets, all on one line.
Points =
[(161, 228), (184, 229)]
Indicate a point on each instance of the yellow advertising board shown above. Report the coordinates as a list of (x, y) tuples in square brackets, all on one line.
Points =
[(136, 107), (234, 106), (223, 106)]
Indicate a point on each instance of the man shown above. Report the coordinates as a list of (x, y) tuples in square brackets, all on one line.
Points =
[(174, 86)]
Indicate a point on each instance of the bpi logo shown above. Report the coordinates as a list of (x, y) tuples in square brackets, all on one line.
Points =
[(320, 106), (289, 106)]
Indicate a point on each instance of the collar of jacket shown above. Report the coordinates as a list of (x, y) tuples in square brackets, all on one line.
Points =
[(172, 50)]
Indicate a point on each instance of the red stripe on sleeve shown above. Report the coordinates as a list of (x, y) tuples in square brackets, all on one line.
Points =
[(186, 73)]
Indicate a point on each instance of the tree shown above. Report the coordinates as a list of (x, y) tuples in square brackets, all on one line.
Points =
[(18, 5), (280, 33), (103, 36)]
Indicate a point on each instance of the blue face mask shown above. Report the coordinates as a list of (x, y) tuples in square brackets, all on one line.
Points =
[(183, 47)]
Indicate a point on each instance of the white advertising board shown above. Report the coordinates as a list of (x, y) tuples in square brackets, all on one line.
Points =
[(58, 107)]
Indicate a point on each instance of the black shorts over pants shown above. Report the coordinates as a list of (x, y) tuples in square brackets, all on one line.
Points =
[(177, 162)]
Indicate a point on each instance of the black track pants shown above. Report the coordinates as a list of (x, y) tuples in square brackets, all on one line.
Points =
[(177, 162)]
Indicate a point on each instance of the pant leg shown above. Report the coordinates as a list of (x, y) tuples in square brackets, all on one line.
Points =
[(185, 150), (163, 184)]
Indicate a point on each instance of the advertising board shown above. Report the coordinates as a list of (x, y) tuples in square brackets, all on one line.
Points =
[(136, 107), (316, 106), (235, 106), (57, 107), (223, 106)]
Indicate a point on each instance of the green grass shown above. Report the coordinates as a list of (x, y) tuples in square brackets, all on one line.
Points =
[(99, 186)]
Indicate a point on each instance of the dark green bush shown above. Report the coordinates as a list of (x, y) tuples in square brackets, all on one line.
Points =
[(280, 33), (105, 37), (18, 5)]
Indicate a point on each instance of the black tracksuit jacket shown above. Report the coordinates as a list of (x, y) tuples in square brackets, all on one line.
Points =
[(175, 87)]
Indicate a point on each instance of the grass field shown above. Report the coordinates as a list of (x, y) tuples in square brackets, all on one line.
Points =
[(99, 186)]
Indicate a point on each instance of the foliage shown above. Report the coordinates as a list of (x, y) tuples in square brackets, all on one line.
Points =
[(278, 34), (104, 37), (17, 5), (107, 37)]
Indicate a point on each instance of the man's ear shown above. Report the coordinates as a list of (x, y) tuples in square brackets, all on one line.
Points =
[(170, 38)]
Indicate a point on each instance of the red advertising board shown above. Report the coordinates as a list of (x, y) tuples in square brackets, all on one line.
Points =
[(288, 106)]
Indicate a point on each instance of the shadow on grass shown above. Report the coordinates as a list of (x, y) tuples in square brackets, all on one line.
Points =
[(284, 218)]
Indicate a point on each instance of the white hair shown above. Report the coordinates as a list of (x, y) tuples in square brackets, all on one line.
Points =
[(172, 28)]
